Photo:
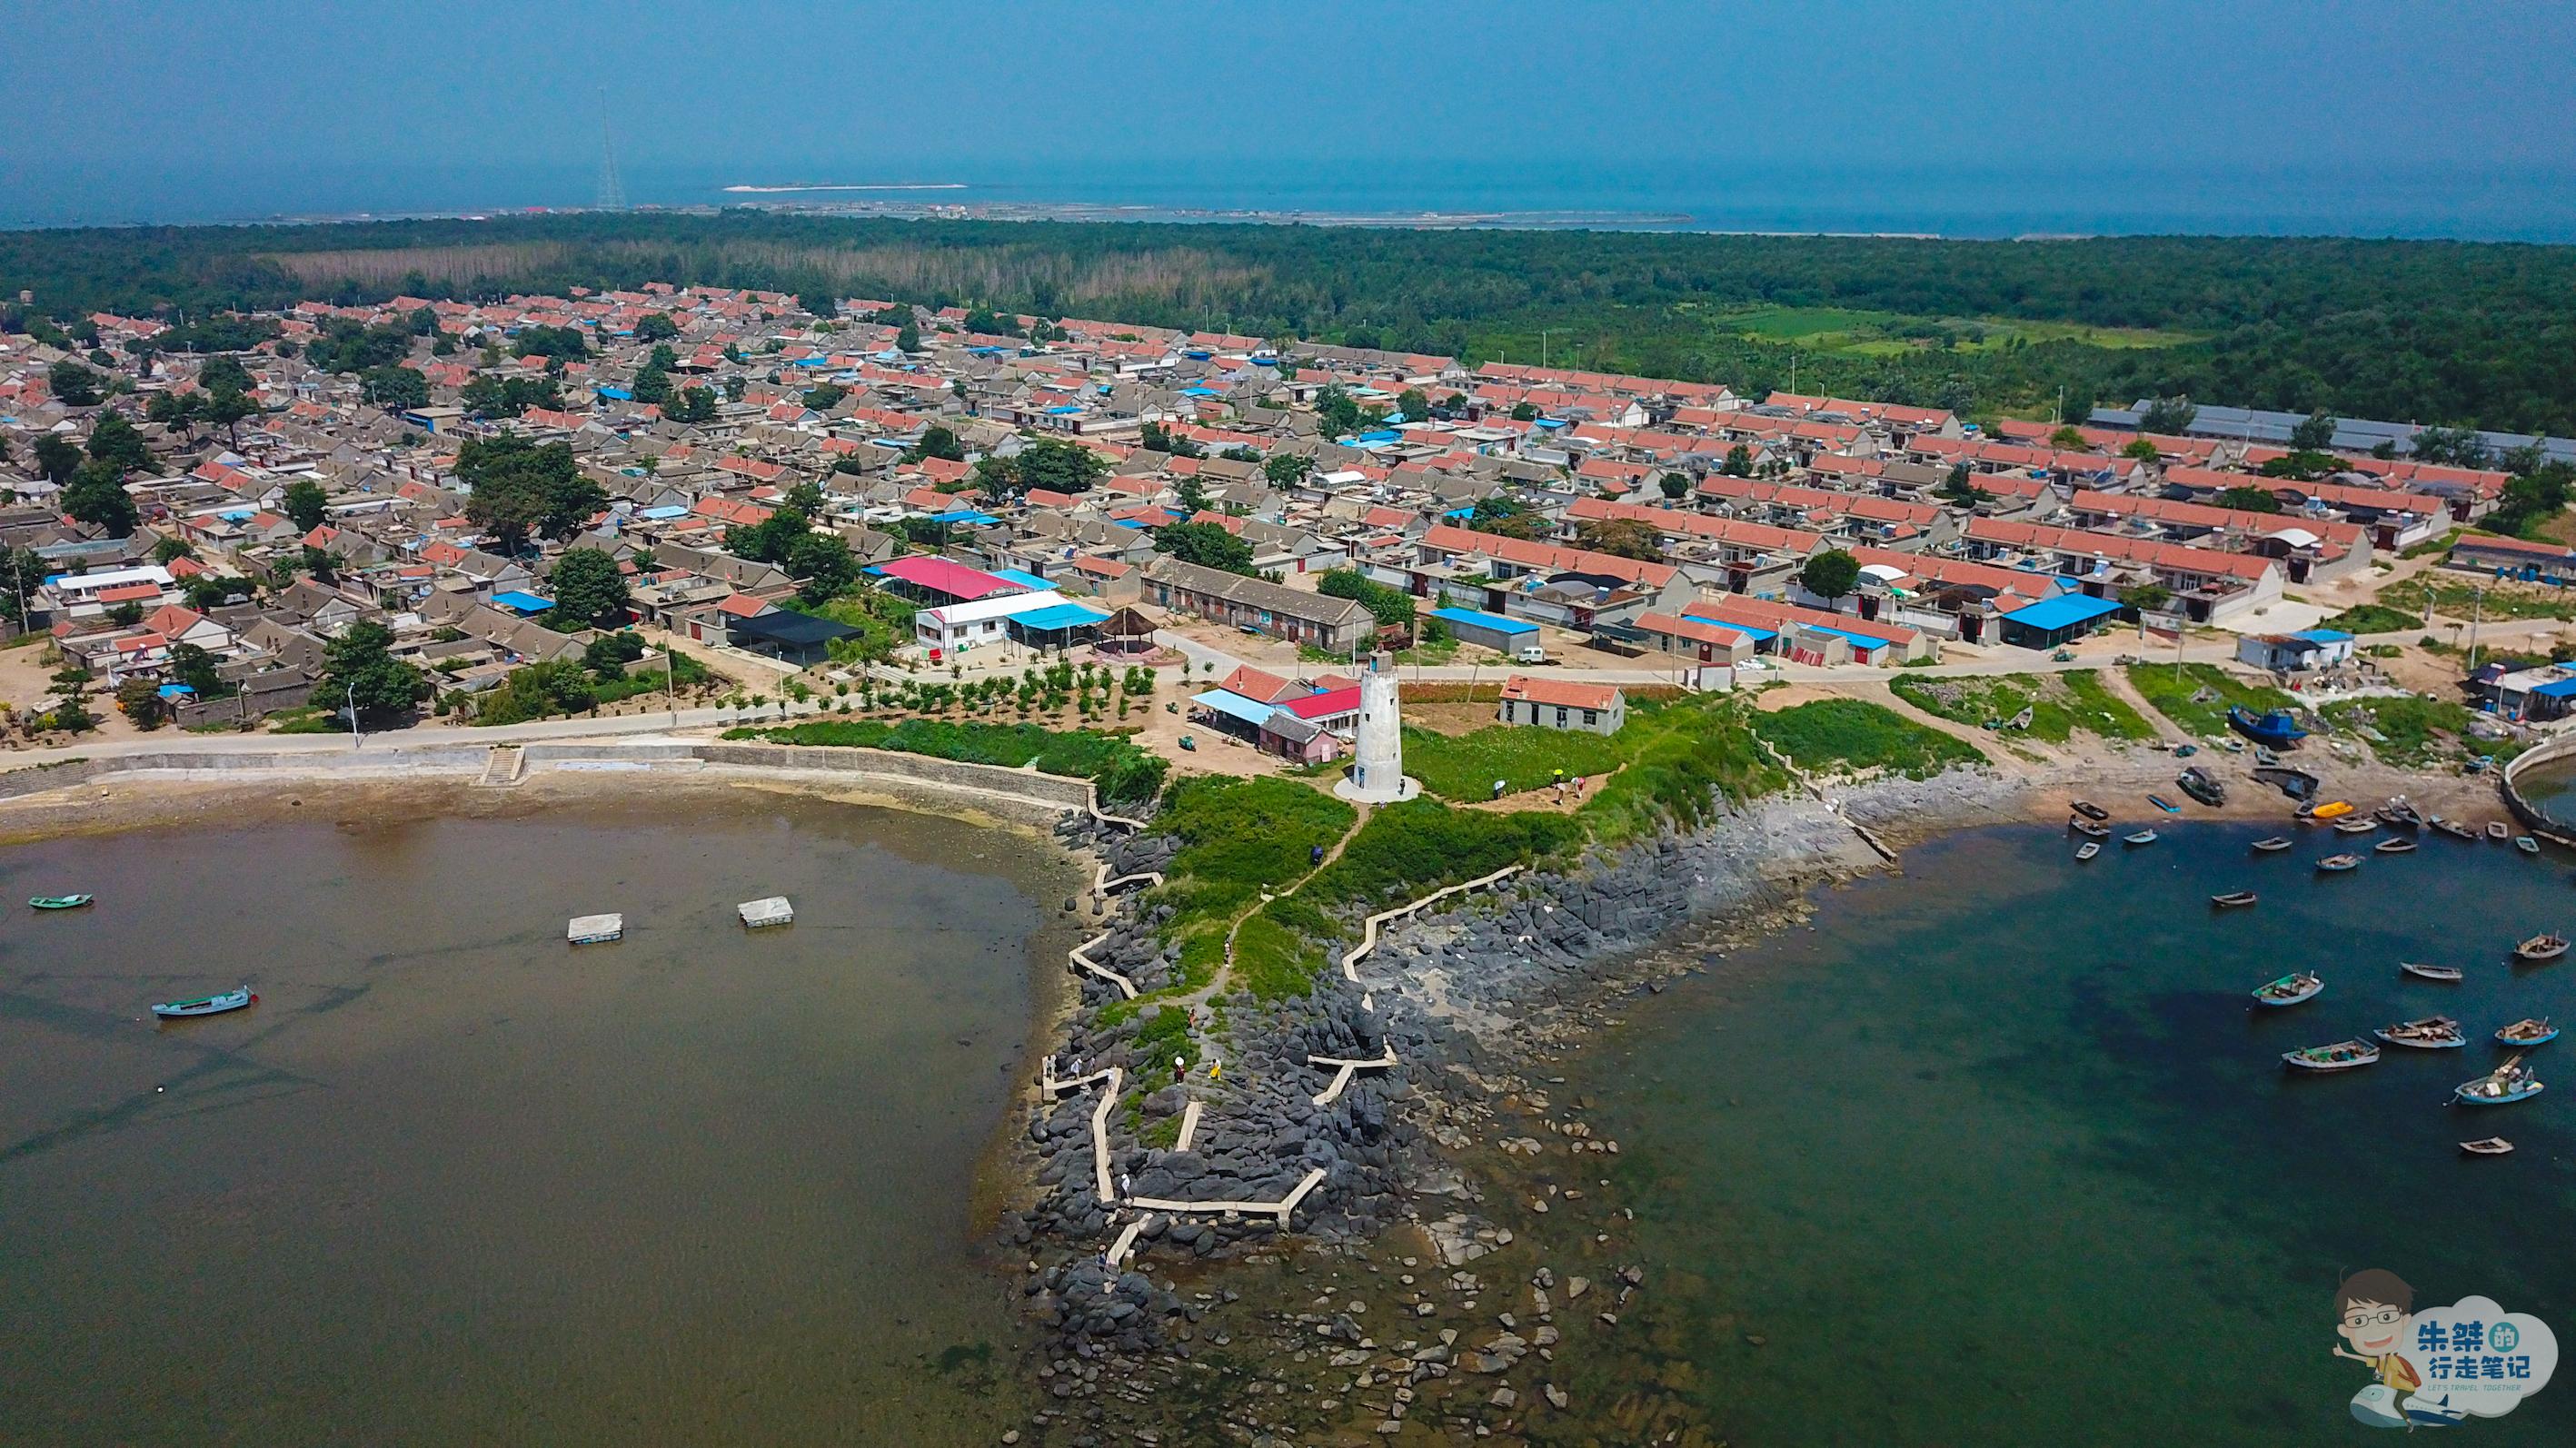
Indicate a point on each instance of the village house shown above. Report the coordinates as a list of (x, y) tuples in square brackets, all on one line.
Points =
[(1563, 704)]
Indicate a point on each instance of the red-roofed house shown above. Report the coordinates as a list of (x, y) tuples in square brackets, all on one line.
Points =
[(1563, 704)]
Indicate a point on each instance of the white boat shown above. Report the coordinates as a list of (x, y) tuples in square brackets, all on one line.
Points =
[(762, 913), (2088, 849), (594, 929), (2432, 1033), (2142, 837)]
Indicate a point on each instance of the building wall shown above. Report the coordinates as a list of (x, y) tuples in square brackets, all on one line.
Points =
[(1566, 716)]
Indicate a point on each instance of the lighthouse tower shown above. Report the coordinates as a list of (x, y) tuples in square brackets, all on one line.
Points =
[(1377, 759)]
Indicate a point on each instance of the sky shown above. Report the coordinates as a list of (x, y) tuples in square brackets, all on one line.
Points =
[(237, 107)]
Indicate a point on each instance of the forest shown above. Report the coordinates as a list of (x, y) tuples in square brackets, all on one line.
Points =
[(2434, 332)]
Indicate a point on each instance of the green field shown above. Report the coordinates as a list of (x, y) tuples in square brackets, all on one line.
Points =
[(2061, 705), (2414, 730), (2375, 618), (1854, 735), (2170, 692), (2459, 598), (1893, 334), (1524, 757)]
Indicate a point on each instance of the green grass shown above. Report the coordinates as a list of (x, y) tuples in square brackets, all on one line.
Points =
[(2454, 598), (1525, 757), (1861, 333), (2171, 695), (2374, 618), (1854, 735), (2061, 705), (2413, 730), (1238, 838), (1123, 771), (1686, 755)]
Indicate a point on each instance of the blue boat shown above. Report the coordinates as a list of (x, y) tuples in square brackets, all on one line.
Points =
[(2536, 1031), (2276, 727), (213, 1005), (2506, 1083)]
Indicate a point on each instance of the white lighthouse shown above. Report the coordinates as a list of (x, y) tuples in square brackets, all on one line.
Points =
[(1377, 758)]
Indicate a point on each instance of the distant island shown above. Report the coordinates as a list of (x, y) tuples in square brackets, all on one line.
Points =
[(859, 186)]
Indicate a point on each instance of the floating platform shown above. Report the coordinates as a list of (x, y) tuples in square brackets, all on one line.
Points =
[(772, 911), (595, 929)]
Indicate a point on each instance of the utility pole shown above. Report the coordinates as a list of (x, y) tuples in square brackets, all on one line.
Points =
[(1542, 346), (671, 677), (2477, 609), (354, 738)]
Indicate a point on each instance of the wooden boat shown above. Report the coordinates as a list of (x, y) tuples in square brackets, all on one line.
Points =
[(2534, 1031), (213, 1005), (2088, 850), (2487, 1146), (2340, 1056), (2276, 842), (2337, 864), (2162, 803), (2398, 812), (2505, 1084), (2274, 727), (2395, 847), (2297, 784), (2289, 990), (2142, 837), (2090, 810), (2232, 899), (2432, 1033), (2540, 949), (61, 902), (2455, 829), (2356, 825), (2497, 832), (2448, 974), (2264, 754), (2089, 830), (594, 929), (2333, 809), (2526, 844), (2202, 785)]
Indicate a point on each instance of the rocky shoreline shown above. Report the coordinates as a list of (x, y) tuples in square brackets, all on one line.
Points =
[(1471, 998)]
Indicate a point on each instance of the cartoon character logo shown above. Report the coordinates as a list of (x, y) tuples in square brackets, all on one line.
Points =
[(2441, 1367)]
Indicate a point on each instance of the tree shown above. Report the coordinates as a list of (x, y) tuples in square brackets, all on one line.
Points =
[(305, 504), (2143, 599), (171, 550), (559, 344), (139, 699), (56, 457), (589, 590), (226, 407), (360, 665), (694, 404), (770, 539), (937, 441), (2066, 437), (2169, 416), (2533, 498), (1414, 403), (114, 440), (908, 339), (823, 566), (652, 386), (1739, 462), (71, 691), (191, 665), (1621, 538), (2315, 434), (1505, 515), (655, 327), (221, 372), (2248, 500), (2142, 450), (2455, 446), (1191, 495), (1959, 487), (1205, 544), (394, 387), (1391, 607), (1830, 575), (806, 496), (820, 304), (1064, 467), (1286, 470), (73, 385), (96, 495), (1674, 486), (824, 396), (178, 410), (1524, 412), (1336, 411), (521, 488)]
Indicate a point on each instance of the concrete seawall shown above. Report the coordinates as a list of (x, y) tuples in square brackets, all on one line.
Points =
[(2510, 786)]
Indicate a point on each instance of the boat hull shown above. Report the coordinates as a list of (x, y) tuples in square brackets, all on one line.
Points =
[(214, 1005), (2524, 1094)]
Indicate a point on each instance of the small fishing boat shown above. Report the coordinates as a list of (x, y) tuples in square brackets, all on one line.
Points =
[(2395, 847), (2432, 1033), (2487, 1146), (2333, 809), (2337, 864), (2399, 812), (2162, 803), (2447, 974), (2297, 784), (2535, 1031), (2142, 837), (2340, 1056), (213, 1005), (2202, 785), (2088, 849), (2455, 829), (2526, 844), (2274, 727), (2275, 843), (2506, 1083), (61, 902), (2090, 810), (2497, 832), (2289, 990), (2232, 899), (2356, 825), (2089, 830), (2265, 754), (2540, 949)]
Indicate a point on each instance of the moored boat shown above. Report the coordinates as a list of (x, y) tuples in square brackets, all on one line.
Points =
[(2333, 809), (2337, 864), (2142, 837), (2533, 1031), (2340, 1056), (2507, 1083), (2399, 812), (2089, 830), (2526, 844), (2540, 949), (2355, 825), (2232, 899), (213, 1005), (2497, 832), (2395, 847), (2088, 849), (2162, 803), (2432, 1033), (2487, 1146), (2202, 785), (2274, 727), (61, 902), (2090, 810), (2455, 829), (2275, 842), (2289, 990), (2447, 974)]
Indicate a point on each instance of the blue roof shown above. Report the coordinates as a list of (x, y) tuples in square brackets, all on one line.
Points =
[(618, 394), (1059, 615), (1382, 435), (174, 691), (968, 515), (1235, 706), (2064, 611), (1755, 634), (1063, 409), (522, 601), (2323, 636), (1478, 618), (2557, 688), (1013, 575), (1863, 642), (667, 510)]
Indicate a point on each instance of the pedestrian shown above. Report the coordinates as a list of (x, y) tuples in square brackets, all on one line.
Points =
[(1315, 855), (1126, 1184), (1498, 789)]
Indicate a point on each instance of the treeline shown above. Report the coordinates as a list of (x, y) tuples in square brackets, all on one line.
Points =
[(2431, 331)]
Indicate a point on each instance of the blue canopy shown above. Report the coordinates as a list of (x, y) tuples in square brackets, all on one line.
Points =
[(1059, 616), (2556, 689), (1013, 575), (2064, 611), (1755, 634), (964, 515), (523, 602), (1235, 706), (1478, 618)]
